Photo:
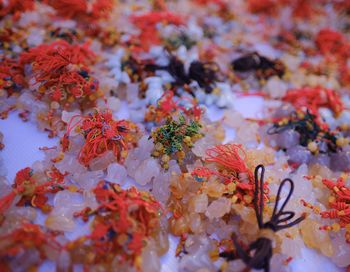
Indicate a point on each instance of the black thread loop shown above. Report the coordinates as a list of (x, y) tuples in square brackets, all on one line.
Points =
[(261, 249)]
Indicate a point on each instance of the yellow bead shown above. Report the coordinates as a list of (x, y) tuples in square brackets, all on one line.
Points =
[(335, 227), (181, 155), (344, 126), (248, 199), (300, 115), (42, 89), (124, 153), (72, 188), (214, 254), (234, 199), (312, 146), (231, 187), (347, 227), (187, 139), (216, 91), (159, 146), (122, 238), (138, 261), (341, 141), (155, 154), (92, 97), (223, 266), (165, 158)]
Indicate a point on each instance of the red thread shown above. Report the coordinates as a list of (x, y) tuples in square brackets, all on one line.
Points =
[(82, 10), (102, 133), (15, 7), (11, 76), (124, 220), (330, 214), (300, 8), (232, 157), (342, 5), (339, 204), (30, 191), (147, 24), (314, 98), (6, 201), (28, 236), (333, 43), (168, 106), (304, 8), (268, 7), (231, 160), (62, 71)]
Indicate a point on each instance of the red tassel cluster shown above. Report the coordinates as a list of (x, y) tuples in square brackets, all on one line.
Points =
[(24, 239), (230, 159), (11, 76), (122, 224), (147, 23), (33, 193), (15, 7), (331, 42), (62, 72), (339, 204), (82, 10), (102, 133), (304, 9), (268, 7), (343, 5), (222, 7), (300, 8), (313, 98), (219, 3), (168, 106), (336, 47)]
